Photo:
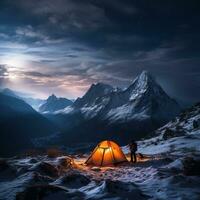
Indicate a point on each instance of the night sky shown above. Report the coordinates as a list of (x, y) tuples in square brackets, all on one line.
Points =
[(63, 46)]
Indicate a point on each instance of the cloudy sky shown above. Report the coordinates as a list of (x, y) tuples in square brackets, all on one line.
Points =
[(63, 46)]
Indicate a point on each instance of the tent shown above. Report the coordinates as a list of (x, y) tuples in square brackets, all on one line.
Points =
[(106, 153)]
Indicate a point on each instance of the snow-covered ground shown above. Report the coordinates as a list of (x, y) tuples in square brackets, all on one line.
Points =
[(41, 177), (168, 170)]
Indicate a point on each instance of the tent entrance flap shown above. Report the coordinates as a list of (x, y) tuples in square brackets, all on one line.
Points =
[(106, 153)]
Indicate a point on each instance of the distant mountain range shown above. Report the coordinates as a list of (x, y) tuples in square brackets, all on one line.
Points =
[(54, 103), (51, 104), (19, 124), (34, 102), (107, 112), (103, 112)]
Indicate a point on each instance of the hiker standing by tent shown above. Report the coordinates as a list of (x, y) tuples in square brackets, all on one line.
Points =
[(133, 149)]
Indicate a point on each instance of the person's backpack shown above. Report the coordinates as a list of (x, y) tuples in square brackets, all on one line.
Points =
[(133, 146)]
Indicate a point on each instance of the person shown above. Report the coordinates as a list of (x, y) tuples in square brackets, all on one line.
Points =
[(133, 149)]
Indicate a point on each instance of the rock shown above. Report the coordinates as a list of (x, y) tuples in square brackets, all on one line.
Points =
[(49, 169), (122, 190), (36, 192), (41, 179), (191, 166), (168, 133), (97, 169), (66, 162), (3, 164), (39, 192), (195, 124), (75, 180), (33, 160)]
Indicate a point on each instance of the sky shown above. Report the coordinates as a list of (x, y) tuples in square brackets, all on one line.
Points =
[(64, 46)]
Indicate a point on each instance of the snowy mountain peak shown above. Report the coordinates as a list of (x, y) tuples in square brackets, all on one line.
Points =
[(95, 91), (143, 80), (145, 77), (144, 83), (101, 87), (98, 90)]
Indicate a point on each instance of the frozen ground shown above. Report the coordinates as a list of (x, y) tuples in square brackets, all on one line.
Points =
[(169, 169), (41, 177)]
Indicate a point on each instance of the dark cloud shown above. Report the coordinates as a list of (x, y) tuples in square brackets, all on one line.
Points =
[(111, 41), (36, 74)]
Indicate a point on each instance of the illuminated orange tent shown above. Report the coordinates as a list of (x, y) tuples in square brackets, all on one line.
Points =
[(106, 153)]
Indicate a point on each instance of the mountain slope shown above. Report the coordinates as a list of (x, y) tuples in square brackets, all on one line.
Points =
[(118, 114), (178, 137), (33, 102), (168, 168), (9, 92), (53, 104), (19, 123)]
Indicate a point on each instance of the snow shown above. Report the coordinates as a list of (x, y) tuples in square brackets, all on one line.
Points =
[(152, 178), (136, 102), (66, 110), (160, 174), (8, 189), (127, 110), (91, 112)]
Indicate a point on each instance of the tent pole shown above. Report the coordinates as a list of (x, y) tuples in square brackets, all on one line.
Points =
[(103, 156), (111, 150), (91, 154)]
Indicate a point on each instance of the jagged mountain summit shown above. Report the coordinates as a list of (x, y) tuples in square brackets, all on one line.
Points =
[(143, 99), (95, 92), (54, 103)]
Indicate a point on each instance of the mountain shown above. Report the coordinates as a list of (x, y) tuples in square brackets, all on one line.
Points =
[(118, 114), (143, 99), (34, 102), (10, 92), (167, 168), (53, 104), (179, 137), (95, 92), (20, 123)]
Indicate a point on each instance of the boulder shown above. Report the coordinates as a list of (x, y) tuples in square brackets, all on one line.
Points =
[(66, 162), (3, 164), (49, 169), (169, 133), (39, 192), (75, 180), (191, 166)]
